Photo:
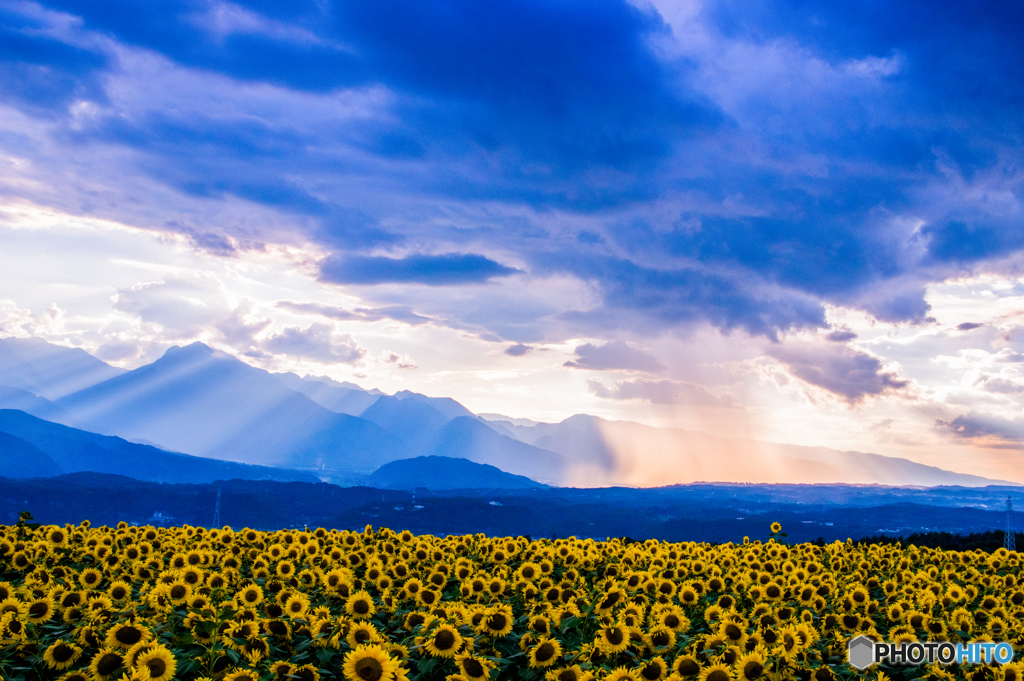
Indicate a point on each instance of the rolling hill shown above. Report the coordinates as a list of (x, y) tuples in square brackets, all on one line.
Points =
[(445, 473), (32, 447)]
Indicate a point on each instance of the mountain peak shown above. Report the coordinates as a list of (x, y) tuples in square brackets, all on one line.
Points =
[(196, 348), (194, 352), (580, 419)]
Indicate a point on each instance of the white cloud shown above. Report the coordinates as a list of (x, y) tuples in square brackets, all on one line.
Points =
[(662, 391), (317, 342)]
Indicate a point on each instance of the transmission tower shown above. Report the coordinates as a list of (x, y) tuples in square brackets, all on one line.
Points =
[(1008, 539), (216, 510)]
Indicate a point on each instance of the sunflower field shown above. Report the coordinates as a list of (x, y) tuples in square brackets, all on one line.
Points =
[(79, 603)]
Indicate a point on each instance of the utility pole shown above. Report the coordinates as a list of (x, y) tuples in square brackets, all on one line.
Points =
[(1009, 541), (216, 510)]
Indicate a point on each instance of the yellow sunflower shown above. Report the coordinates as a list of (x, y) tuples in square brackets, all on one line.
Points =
[(686, 666), (106, 663), (40, 610), (717, 672), (497, 621), (750, 667), (444, 641), (660, 639), (545, 653), (362, 633), (297, 605), (369, 663), (61, 655), (159, 662), (654, 669), (250, 596), (360, 605), (474, 668), (126, 634), (613, 639)]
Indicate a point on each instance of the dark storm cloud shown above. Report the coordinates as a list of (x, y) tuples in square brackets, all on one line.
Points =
[(975, 426), (849, 374), (841, 336), (798, 156), (517, 350), (447, 269), (616, 355)]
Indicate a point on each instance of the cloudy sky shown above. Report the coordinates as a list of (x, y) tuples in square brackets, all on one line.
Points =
[(798, 222)]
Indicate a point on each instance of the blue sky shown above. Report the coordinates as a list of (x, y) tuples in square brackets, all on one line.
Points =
[(776, 219)]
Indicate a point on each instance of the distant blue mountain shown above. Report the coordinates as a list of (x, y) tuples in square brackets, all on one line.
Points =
[(22, 459), (448, 407), (467, 437), (412, 420), (427, 431), (16, 398), (205, 402), (442, 472), (32, 447), (49, 370), (341, 398)]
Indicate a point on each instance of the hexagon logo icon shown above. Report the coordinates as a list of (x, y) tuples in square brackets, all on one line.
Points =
[(861, 652)]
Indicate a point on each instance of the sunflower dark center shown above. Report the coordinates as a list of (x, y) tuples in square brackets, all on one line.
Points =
[(361, 607), (39, 609), (444, 640), (361, 636), (108, 663), (497, 622), (661, 639), (157, 667), (63, 652), (687, 667), (671, 621), (545, 652), (369, 669), (567, 675), (128, 636), (474, 669), (652, 671), (719, 675), (614, 635)]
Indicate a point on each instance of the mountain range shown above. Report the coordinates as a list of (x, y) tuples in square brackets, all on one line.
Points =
[(207, 404)]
